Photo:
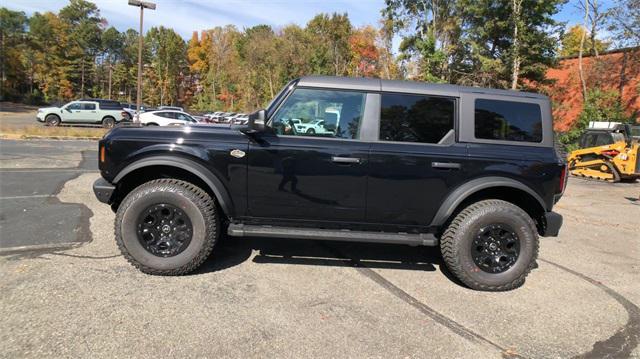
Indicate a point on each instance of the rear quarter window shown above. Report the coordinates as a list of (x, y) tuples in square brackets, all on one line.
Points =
[(508, 121)]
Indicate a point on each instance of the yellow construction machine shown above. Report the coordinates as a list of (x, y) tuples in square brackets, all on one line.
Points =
[(608, 152)]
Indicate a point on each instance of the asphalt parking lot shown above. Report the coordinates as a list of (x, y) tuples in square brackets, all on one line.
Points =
[(65, 290)]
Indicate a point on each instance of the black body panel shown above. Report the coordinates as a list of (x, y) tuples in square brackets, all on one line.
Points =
[(260, 178)]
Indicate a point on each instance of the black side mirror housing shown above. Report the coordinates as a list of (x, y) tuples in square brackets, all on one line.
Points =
[(256, 123)]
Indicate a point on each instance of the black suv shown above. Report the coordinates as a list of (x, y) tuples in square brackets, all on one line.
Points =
[(471, 170)]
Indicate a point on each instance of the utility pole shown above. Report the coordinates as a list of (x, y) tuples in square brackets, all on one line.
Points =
[(142, 5)]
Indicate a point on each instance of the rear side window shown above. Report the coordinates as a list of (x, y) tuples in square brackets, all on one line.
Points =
[(415, 118), (88, 106), (508, 121)]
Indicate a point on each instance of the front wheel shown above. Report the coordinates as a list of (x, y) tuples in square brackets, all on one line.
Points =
[(167, 227), (52, 120), (491, 245)]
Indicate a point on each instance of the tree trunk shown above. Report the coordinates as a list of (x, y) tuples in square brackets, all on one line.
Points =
[(2, 74), (584, 35), (82, 78), (110, 73), (594, 27), (515, 71)]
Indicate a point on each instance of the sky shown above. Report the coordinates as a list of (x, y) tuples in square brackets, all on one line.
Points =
[(186, 16)]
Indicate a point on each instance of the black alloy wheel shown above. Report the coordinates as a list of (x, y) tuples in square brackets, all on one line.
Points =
[(164, 230), (495, 248)]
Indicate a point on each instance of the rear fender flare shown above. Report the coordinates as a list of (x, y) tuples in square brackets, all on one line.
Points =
[(222, 195), (463, 192)]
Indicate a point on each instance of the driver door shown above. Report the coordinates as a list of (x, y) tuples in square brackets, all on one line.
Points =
[(297, 175), (72, 112)]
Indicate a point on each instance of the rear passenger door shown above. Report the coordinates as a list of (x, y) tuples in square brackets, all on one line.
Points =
[(90, 112), (416, 160)]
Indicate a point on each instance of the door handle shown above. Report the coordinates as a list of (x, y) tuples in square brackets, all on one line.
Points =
[(345, 160), (446, 165)]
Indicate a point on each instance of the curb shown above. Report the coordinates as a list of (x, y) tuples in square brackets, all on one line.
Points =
[(61, 138)]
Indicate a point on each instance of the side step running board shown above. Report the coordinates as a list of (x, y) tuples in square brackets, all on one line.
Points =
[(243, 230)]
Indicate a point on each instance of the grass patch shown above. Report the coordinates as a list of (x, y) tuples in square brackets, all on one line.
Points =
[(46, 131)]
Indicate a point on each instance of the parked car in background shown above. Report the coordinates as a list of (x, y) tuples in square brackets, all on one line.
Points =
[(175, 108), (210, 117), (240, 119), (85, 111), (226, 117), (166, 118), (129, 110), (314, 127)]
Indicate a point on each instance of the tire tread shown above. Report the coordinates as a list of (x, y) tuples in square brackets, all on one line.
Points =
[(202, 201), (451, 237)]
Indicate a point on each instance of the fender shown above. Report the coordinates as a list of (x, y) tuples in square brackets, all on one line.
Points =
[(222, 195), (463, 192)]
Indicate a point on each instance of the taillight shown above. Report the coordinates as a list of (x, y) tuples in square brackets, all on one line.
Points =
[(611, 153), (563, 179)]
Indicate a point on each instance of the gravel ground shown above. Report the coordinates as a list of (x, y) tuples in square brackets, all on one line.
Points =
[(287, 298)]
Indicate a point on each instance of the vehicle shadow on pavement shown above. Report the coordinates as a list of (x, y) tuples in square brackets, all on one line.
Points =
[(230, 252)]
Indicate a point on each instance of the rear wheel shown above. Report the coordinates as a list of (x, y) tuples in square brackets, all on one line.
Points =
[(52, 120), (108, 122), (167, 227), (491, 245)]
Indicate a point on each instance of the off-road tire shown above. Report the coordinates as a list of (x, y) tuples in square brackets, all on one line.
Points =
[(194, 201), (52, 120), (457, 240), (108, 122)]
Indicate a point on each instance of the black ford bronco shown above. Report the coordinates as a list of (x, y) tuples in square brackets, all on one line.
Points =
[(471, 170)]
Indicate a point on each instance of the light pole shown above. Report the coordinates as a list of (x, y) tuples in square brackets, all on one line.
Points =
[(142, 5)]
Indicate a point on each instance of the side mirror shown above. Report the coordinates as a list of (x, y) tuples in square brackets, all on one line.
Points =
[(256, 122)]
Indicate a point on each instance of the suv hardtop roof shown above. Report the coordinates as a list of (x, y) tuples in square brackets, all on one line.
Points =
[(370, 84), (101, 100)]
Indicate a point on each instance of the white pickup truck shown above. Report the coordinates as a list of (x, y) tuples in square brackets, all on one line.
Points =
[(104, 112)]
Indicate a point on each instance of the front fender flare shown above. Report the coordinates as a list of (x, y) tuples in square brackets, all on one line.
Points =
[(461, 193), (214, 183)]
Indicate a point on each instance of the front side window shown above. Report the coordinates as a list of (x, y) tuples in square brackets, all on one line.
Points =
[(415, 118), (74, 106), (508, 121), (320, 113)]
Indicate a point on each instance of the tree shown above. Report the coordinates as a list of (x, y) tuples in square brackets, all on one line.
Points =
[(167, 54), (429, 29), (112, 47), (85, 27), (487, 35), (365, 55), (571, 42), (330, 36), (624, 22), (12, 36)]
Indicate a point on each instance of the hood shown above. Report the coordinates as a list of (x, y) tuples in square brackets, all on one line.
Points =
[(169, 134), (48, 109)]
